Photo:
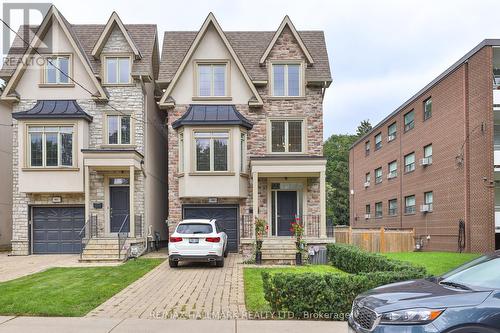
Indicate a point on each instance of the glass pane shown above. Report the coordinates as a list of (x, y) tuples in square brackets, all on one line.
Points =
[(277, 136), (409, 117), (112, 75), (410, 201), (219, 80), (378, 173), (124, 66), (392, 129), (113, 130), (293, 80), (119, 181), (181, 152), (378, 138), (64, 69), (66, 149), (51, 149), (428, 197), (409, 159), (204, 80), (242, 152), (36, 149), (125, 130), (51, 71), (279, 80), (203, 154), (220, 154), (295, 136), (428, 151)]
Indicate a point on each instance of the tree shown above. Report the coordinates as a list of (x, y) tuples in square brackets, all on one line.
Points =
[(336, 150), (363, 128)]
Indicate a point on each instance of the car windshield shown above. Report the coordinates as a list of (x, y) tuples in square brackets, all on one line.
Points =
[(194, 228), (484, 272)]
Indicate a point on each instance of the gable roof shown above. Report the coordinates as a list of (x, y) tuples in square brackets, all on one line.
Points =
[(212, 115), (86, 36), (34, 43), (286, 23), (249, 46), (210, 20), (44, 109), (114, 20)]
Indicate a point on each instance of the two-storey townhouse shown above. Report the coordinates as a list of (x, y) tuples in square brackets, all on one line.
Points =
[(89, 144), (434, 163), (245, 121), (5, 176)]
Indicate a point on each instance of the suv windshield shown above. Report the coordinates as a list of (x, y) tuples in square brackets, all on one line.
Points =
[(194, 228), (483, 272)]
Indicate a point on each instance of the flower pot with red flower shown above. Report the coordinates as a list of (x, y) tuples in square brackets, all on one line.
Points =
[(297, 230)]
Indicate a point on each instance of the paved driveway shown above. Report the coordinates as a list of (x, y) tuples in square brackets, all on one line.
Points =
[(194, 291), (13, 267)]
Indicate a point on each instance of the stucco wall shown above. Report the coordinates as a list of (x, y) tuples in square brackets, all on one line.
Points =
[(5, 176)]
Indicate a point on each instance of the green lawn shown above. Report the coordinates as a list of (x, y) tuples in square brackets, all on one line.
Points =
[(69, 291), (254, 292), (436, 263)]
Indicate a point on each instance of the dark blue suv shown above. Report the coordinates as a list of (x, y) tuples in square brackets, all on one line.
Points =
[(465, 300)]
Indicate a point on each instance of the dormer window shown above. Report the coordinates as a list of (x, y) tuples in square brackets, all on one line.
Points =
[(57, 70), (211, 79), (286, 80), (117, 70)]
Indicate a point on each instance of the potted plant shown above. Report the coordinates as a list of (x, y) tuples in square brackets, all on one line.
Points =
[(260, 230), (298, 232)]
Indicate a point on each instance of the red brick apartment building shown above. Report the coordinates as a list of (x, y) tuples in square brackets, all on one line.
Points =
[(436, 160)]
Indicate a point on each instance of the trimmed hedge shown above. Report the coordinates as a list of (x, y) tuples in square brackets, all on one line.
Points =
[(330, 296)]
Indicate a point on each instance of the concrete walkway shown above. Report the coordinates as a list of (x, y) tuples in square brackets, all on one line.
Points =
[(13, 267), (100, 325), (190, 291)]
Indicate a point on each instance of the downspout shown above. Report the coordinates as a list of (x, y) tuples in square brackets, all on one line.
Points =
[(466, 158)]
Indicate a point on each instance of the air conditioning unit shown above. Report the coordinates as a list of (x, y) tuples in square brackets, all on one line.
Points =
[(367, 216), (367, 184), (391, 137), (391, 175), (425, 208), (425, 161)]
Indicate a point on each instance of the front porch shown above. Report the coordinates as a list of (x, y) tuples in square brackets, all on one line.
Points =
[(286, 190), (114, 203)]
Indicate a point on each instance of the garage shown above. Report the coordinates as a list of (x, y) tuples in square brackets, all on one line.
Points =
[(56, 229), (226, 215)]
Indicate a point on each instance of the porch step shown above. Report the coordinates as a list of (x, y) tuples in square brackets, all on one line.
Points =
[(278, 251), (102, 250)]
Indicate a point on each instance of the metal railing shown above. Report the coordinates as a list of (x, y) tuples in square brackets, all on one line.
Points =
[(122, 236), (88, 231), (246, 226), (311, 223)]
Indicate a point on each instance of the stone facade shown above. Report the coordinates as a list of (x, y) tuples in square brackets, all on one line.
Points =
[(128, 99), (309, 107)]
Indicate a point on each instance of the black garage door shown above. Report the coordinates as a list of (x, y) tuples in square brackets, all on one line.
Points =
[(55, 229), (226, 215)]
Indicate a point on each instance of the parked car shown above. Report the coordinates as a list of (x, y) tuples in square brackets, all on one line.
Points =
[(198, 241), (465, 300)]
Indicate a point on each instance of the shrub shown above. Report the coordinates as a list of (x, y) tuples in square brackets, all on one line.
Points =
[(330, 296)]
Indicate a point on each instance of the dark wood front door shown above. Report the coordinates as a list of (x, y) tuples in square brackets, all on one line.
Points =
[(287, 210), (119, 197)]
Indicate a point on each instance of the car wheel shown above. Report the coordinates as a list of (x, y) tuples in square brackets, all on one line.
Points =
[(173, 263), (220, 263), (472, 329), (226, 252)]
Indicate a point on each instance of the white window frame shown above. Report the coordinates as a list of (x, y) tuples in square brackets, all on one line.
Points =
[(105, 71), (426, 202), (379, 213), (378, 141), (394, 133), (213, 135), (393, 172), (395, 210), (56, 57), (427, 115), (407, 127), (119, 143), (285, 88), (407, 166), (426, 155), (181, 152), (378, 179), (367, 148), (243, 152), (270, 136), (414, 209), (44, 143), (368, 177), (227, 79)]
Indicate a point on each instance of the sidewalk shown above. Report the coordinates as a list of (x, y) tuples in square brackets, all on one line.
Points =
[(98, 325)]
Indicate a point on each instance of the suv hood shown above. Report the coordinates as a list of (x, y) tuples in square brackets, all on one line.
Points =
[(419, 294)]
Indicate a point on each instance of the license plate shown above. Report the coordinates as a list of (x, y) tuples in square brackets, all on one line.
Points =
[(194, 240)]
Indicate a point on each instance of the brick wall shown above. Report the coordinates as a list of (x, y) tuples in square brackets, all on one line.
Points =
[(447, 176)]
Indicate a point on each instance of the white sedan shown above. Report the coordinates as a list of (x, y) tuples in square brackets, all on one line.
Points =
[(198, 240)]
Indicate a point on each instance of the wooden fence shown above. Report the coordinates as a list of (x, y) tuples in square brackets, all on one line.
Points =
[(377, 240)]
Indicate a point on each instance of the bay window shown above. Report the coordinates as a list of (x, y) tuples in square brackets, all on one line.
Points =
[(286, 136), (211, 151), (243, 149), (181, 152), (50, 146), (118, 130), (286, 80)]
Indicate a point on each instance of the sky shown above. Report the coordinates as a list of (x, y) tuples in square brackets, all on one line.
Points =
[(381, 52)]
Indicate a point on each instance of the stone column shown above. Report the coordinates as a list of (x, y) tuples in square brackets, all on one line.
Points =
[(132, 202), (86, 179), (255, 199), (322, 198)]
